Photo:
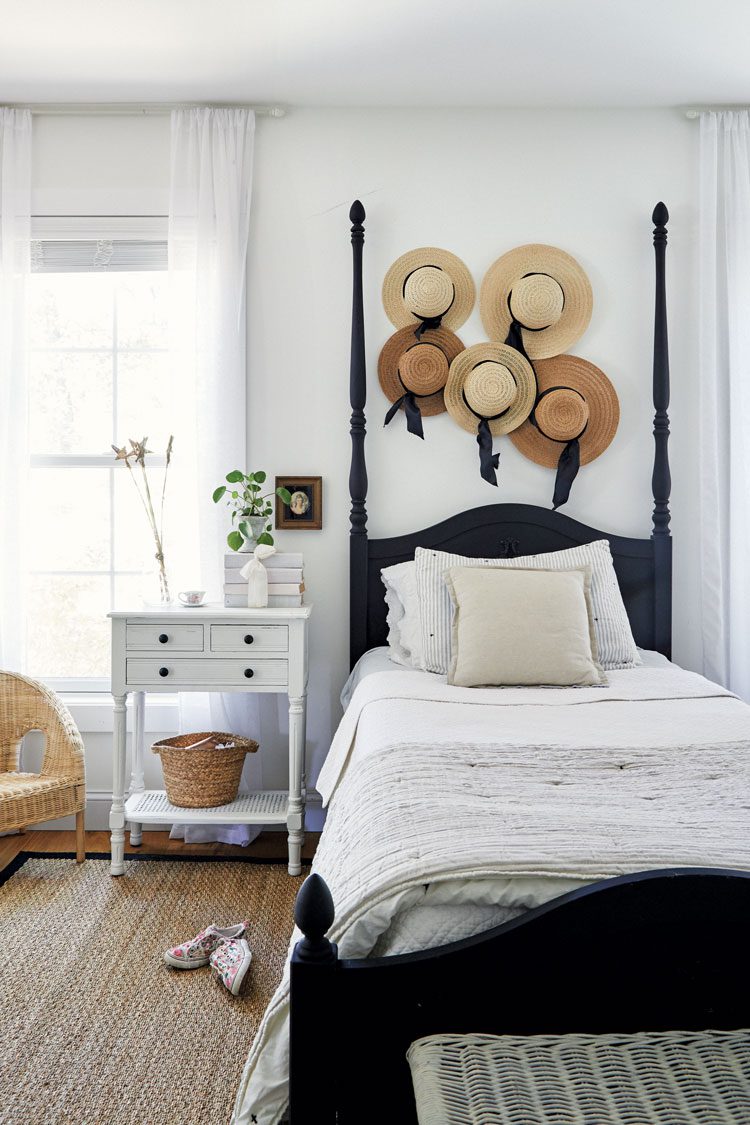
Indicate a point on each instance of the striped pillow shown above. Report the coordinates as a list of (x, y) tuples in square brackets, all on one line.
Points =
[(613, 633)]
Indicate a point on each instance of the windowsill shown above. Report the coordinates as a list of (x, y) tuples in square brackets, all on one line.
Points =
[(93, 711)]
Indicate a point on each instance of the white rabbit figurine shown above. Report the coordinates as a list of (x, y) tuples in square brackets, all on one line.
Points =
[(257, 577)]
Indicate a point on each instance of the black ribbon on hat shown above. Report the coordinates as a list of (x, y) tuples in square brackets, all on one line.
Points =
[(488, 461), (411, 410), (569, 461)]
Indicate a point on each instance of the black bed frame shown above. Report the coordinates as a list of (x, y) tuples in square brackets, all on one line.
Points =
[(643, 566), (650, 951)]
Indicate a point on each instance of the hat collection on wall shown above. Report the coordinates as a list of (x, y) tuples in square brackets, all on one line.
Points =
[(535, 302)]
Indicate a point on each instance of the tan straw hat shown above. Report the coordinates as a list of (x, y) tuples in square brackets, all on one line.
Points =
[(490, 381), (541, 289), (490, 390), (417, 367), (577, 400), (429, 286)]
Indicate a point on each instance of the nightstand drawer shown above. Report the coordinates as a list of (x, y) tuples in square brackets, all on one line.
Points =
[(249, 638), (163, 636), (227, 673)]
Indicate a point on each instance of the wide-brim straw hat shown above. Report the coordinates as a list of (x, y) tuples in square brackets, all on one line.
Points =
[(426, 284), (491, 381), (545, 290), (420, 366), (577, 394)]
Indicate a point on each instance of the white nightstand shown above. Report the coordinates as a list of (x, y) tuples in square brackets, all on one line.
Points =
[(207, 649)]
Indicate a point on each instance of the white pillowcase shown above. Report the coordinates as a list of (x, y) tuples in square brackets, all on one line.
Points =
[(522, 627), (404, 618), (614, 636)]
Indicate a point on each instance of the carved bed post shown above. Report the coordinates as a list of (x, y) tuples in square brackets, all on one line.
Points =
[(358, 470), (661, 481), (312, 1059)]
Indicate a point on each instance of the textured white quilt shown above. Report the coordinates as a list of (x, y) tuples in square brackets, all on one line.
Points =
[(470, 805)]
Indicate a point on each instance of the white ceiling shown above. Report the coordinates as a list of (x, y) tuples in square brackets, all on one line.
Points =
[(536, 53)]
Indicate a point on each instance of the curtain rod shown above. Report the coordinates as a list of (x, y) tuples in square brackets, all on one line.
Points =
[(694, 111), (85, 109)]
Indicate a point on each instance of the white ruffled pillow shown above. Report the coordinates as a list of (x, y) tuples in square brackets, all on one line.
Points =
[(404, 618)]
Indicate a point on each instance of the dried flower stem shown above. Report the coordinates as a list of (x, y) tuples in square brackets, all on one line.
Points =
[(138, 451)]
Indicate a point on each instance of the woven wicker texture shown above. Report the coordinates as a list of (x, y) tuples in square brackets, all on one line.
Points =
[(662, 1078), (96, 1029), (406, 363), (206, 775), (557, 411), (491, 378), (428, 282), (546, 290), (60, 787)]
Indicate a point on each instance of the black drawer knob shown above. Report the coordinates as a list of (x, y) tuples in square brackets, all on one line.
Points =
[(163, 638), (249, 638), (164, 671), (249, 673)]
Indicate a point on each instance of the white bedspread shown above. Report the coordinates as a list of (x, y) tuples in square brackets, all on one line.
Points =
[(470, 805)]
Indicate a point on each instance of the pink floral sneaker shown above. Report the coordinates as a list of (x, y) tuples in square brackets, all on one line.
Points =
[(230, 963), (195, 953)]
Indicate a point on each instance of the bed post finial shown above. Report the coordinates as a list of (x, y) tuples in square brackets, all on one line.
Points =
[(358, 469), (661, 481), (314, 914)]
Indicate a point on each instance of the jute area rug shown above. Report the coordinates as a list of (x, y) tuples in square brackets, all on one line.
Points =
[(94, 1028)]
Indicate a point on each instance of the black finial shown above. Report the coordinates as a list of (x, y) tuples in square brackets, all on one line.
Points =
[(660, 217), (314, 913), (357, 212)]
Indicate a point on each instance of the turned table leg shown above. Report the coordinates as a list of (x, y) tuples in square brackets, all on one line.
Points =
[(117, 812)]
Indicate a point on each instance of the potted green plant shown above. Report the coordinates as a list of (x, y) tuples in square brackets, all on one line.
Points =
[(250, 508)]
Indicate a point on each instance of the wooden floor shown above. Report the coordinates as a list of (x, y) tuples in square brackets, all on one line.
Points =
[(269, 845)]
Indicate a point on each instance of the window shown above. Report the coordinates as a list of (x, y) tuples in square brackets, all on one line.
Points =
[(99, 373)]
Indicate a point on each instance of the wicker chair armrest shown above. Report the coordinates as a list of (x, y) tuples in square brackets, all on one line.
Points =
[(27, 705)]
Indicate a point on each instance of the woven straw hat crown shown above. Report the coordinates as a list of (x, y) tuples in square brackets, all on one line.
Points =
[(420, 366)]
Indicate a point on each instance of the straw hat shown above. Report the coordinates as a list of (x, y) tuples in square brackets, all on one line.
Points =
[(576, 400), (492, 382), (419, 366), (543, 290), (428, 285)]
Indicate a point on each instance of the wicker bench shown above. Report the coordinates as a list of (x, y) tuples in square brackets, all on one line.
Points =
[(654, 1078)]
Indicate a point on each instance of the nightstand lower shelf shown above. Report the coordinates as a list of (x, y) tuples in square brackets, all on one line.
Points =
[(151, 806)]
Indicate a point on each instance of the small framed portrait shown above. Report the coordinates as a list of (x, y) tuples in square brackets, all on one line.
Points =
[(304, 512)]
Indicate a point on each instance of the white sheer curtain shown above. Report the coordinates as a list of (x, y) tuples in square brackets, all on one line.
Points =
[(209, 217), (725, 397), (15, 265)]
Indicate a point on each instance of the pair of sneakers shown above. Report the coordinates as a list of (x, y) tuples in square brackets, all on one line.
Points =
[(222, 947)]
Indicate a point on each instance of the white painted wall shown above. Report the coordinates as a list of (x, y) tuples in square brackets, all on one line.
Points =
[(477, 182)]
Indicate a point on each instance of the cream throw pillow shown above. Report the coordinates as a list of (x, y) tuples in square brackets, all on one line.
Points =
[(522, 627)]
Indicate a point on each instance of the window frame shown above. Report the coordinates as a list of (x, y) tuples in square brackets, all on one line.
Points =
[(88, 694)]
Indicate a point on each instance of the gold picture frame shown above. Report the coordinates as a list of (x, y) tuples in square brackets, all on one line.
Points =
[(305, 513)]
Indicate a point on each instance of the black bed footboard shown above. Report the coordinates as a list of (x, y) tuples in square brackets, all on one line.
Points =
[(653, 951)]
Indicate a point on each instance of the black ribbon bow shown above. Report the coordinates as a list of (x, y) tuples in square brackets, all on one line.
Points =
[(488, 461), (412, 412), (425, 323)]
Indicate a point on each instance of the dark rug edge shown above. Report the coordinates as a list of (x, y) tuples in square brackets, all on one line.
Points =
[(18, 861)]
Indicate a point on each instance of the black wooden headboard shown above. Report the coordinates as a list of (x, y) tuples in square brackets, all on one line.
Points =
[(643, 566)]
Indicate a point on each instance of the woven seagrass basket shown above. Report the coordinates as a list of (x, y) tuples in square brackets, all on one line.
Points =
[(203, 770)]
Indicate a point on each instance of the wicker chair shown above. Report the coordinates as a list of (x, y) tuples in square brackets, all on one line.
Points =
[(60, 788)]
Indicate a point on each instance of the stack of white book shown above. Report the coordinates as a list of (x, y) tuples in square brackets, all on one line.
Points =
[(285, 584)]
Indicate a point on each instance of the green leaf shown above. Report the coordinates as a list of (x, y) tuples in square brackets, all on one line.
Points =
[(235, 540), (260, 477), (235, 495), (219, 493), (245, 529), (284, 495), (235, 476), (266, 539)]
